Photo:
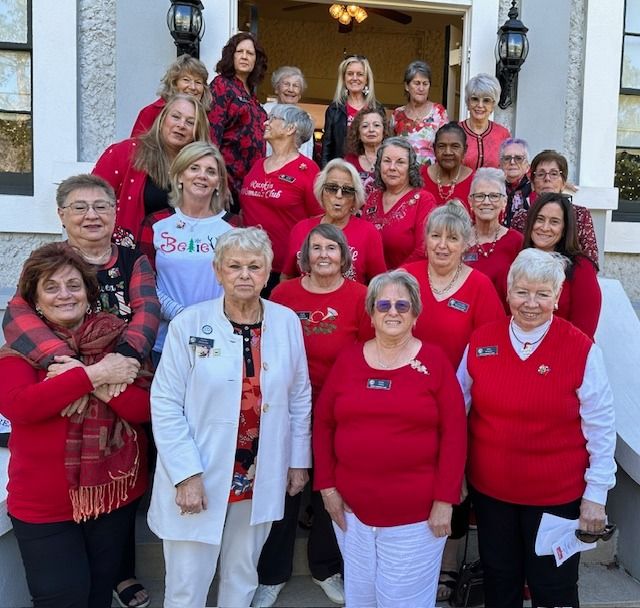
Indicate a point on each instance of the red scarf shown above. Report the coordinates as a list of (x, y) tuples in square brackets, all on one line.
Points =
[(101, 453)]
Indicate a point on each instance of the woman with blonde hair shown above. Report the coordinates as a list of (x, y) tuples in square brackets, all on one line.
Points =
[(354, 91), (180, 243), (138, 168), (186, 75)]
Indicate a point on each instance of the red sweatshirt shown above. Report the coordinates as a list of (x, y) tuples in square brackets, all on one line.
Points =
[(525, 436), (38, 491), (330, 322), (392, 450), (449, 323)]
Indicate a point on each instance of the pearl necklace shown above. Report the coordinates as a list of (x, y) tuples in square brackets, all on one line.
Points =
[(452, 184), (439, 292), (480, 248)]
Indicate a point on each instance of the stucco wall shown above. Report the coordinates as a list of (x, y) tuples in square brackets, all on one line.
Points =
[(14, 250), (97, 76), (626, 268)]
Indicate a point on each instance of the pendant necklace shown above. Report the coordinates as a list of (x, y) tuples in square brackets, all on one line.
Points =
[(527, 347)]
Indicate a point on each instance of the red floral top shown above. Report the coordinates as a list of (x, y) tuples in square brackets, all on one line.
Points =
[(420, 133), (237, 128), (244, 468)]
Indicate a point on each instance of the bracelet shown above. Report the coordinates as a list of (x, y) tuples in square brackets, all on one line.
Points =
[(329, 492)]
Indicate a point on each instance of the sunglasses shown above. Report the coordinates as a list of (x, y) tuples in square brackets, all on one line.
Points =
[(347, 191), (592, 537), (401, 306)]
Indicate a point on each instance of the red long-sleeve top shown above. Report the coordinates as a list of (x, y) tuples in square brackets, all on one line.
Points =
[(581, 298), (38, 491), (449, 323), (392, 451)]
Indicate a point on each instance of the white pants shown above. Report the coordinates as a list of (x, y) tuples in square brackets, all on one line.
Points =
[(190, 566), (390, 567)]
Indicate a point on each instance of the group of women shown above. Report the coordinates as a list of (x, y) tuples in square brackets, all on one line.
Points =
[(355, 292)]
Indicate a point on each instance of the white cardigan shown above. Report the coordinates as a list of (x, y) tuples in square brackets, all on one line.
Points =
[(195, 411)]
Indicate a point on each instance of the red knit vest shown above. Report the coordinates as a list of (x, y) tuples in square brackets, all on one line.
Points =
[(526, 444)]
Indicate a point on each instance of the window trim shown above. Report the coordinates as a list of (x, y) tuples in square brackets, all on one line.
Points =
[(21, 184)]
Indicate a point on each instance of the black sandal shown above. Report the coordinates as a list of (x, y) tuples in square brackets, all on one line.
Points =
[(446, 584), (128, 595)]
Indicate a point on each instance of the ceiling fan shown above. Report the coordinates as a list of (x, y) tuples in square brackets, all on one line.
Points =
[(345, 26)]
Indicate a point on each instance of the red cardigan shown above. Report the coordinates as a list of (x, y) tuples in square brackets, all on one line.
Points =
[(147, 116), (525, 437), (391, 451), (38, 491)]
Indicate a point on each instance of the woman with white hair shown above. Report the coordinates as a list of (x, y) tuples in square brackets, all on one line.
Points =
[(278, 190), (354, 91), (484, 136), (340, 192), (227, 395), (541, 436), (493, 247), (288, 84)]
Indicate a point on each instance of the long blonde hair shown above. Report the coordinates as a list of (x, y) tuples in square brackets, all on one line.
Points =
[(151, 155), (340, 96)]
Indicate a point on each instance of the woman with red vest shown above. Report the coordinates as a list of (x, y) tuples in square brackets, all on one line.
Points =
[(543, 443)]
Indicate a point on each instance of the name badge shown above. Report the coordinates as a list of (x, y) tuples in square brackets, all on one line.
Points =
[(486, 351), (203, 347), (378, 384), (286, 178), (470, 256), (458, 305), (303, 315)]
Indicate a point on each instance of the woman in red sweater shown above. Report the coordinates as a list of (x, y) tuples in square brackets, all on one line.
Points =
[(389, 447), (493, 247), (399, 208), (332, 314), (543, 443), (551, 226), (77, 466), (339, 191)]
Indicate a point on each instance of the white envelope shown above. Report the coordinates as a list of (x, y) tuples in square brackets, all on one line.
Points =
[(556, 536)]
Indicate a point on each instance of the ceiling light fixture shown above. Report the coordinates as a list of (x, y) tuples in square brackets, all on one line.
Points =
[(345, 13)]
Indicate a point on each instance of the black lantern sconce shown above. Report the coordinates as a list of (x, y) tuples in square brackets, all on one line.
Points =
[(185, 22), (511, 51)]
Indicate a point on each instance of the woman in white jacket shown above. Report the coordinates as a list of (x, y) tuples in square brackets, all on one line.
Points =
[(231, 418)]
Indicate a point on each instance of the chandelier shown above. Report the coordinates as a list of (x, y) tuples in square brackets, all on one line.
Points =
[(344, 13)]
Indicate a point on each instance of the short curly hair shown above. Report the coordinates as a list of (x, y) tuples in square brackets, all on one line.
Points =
[(185, 64), (225, 67), (354, 144), (48, 259)]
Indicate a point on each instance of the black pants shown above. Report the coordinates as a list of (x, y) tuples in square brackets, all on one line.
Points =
[(70, 565), (506, 538), (276, 560)]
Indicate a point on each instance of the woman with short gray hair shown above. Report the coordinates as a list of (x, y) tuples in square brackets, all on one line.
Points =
[(278, 190), (484, 136), (493, 247), (226, 395), (399, 207), (389, 412), (420, 118), (554, 392), (288, 84)]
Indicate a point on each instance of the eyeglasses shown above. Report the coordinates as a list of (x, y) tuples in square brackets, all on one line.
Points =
[(592, 537), (480, 197), (474, 100), (401, 306), (346, 191), (553, 174), (518, 159), (82, 207)]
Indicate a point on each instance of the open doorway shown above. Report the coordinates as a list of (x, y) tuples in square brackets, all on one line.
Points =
[(305, 35)]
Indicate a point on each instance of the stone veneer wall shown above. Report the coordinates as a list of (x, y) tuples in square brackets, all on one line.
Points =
[(97, 76)]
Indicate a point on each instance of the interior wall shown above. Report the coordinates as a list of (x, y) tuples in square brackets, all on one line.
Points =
[(318, 48)]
